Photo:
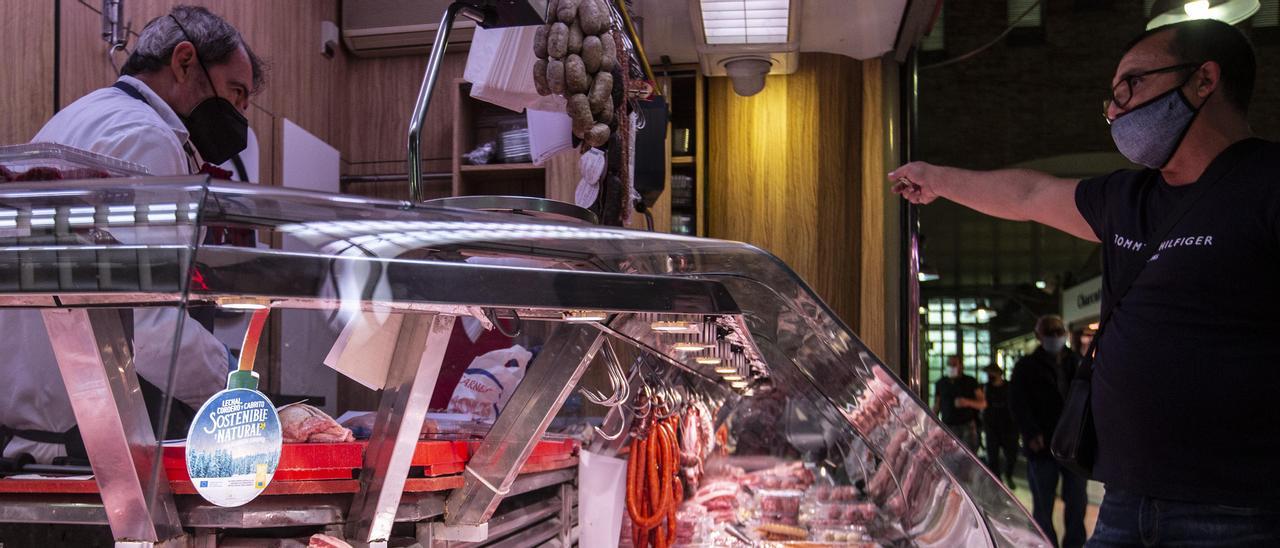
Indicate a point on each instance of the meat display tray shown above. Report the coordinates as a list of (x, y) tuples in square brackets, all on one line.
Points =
[(333, 461), (331, 468), (49, 161), (298, 461)]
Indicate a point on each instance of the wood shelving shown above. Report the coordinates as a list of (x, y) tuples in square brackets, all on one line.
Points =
[(476, 122), (498, 171)]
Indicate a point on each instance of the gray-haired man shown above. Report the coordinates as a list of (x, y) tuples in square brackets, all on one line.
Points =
[(177, 104), (179, 101)]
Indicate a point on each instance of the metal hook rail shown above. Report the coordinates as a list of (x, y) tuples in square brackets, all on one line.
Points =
[(428, 86)]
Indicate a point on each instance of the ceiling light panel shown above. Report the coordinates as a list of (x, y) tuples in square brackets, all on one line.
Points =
[(745, 21)]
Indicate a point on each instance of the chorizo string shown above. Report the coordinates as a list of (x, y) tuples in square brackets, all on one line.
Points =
[(654, 491)]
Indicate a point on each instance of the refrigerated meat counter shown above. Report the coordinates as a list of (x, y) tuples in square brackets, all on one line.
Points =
[(671, 391)]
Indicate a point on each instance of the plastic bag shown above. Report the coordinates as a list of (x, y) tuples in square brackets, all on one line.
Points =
[(489, 382), (481, 155)]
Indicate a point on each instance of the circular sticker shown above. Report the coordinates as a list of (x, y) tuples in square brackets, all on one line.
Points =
[(233, 446)]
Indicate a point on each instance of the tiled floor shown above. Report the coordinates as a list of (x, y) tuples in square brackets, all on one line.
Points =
[(1095, 491)]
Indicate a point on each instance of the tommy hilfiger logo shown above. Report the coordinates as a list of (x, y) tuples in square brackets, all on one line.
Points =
[(1126, 243), (1183, 241), (1186, 241)]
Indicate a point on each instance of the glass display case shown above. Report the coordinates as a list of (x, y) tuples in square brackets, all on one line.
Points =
[(744, 411)]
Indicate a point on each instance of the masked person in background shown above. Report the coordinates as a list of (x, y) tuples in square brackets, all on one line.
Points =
[(998, 429), (957, 399), (1037, 391), (177, 105), (1183, 386)]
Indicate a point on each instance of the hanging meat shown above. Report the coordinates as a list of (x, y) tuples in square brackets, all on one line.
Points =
[(696, 442), (576, 56), (654, 490)]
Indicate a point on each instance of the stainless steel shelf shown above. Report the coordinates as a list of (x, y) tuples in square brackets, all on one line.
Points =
[(266, 511)]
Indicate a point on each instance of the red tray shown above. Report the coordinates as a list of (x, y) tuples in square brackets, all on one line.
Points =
[(441, 457), (298, 461), (545, 451), (444, 457), (297, 487), (327, 461)]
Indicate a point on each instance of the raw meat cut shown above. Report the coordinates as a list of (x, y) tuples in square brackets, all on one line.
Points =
[(325, 541), (40, 173), (302, 423)]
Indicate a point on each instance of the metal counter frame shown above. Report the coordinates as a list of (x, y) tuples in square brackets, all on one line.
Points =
[(418, 261)]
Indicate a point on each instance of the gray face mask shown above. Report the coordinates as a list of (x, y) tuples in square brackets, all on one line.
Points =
[(1149, 134), (1054, 344)]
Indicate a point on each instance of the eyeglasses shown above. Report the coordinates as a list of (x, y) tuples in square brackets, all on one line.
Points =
[(1122, 93)]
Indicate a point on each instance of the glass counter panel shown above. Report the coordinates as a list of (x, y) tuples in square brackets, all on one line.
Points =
[(816, 406)]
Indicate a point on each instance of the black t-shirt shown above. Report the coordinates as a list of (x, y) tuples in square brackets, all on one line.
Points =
[(997, 416), (1188, 367), (948, 389), (1037, 390)]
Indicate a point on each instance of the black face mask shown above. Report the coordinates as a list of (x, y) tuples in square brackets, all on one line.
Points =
[(217, 128)]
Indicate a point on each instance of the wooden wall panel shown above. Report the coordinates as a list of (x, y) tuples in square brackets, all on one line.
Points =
[(307, 87), (784, 173), (380, 97), (563, 174), (302, 85), (355, 396), (264, 125), (873, 299), (398, 189), (26, 92), (83, 66), (700, 163)]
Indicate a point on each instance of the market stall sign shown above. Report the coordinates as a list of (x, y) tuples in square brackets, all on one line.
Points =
[(1082, 302), (233, 447)]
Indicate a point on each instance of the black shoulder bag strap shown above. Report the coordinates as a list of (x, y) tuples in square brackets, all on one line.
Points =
[(1075, 442), (133, 92), (129, 90)]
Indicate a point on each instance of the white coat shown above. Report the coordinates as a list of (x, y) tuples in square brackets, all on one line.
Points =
[(108, 121)]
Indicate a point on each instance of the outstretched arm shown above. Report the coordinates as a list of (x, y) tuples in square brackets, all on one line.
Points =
[(1014, 194)]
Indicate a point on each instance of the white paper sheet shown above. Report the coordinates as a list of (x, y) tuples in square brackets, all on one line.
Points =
[(363, 349), (602, 490), (500, 69), (550, 132)]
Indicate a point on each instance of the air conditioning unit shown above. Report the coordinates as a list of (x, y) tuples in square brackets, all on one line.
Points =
[(372, 28)]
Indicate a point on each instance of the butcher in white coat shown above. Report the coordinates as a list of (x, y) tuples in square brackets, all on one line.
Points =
[(178, 103)]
